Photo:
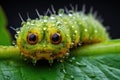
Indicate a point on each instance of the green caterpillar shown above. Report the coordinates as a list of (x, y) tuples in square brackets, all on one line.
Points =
[(51, 37)]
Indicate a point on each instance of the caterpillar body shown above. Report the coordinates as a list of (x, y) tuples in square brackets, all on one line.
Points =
[(51, 37)]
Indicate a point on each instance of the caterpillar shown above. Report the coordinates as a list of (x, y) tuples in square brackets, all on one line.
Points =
[(52, 37)]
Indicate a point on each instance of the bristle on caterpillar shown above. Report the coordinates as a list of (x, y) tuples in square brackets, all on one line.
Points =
[(51, 37)]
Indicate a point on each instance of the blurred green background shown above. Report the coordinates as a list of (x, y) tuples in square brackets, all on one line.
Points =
[(5, 38), (109, 11)]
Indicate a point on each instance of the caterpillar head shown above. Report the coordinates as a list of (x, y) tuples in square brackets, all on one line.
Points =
[(40, 39)]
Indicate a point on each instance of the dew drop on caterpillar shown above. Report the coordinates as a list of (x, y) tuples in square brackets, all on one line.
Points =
[(51, 37)]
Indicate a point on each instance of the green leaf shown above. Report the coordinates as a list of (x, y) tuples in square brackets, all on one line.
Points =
[(4, 35), (90, 62)]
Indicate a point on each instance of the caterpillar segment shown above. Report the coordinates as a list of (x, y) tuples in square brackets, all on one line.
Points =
[(51, 37)]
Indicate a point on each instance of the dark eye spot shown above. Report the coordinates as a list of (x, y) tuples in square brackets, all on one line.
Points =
[(32, 38), (56, 38)]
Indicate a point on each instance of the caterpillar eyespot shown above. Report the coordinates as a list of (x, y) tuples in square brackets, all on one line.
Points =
[(56, 38), (51, 37), (32, 38)]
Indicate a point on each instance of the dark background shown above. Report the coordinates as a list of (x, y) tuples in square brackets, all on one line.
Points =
[(108, 9)]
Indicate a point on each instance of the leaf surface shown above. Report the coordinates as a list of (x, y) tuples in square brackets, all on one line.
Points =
[(81, 65)]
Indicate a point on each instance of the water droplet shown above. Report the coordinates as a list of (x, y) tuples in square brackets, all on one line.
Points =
[(67, 54), (17, 29), (45, 20), (34, 62), (72, 44), (74, 35), (51, 61), (22, 53), (72, 77), (60, 14), (52, 17), (32, 24), (44, 28), (70, 14), (73, 58), (58, 23), (6, 77), (17, 32), (61, 60), (59, 27), (70, 61), (75, 31), (25, 59), (96, 31), (13, 42), (67, 35), (16, 36), (80, 65), (44, 46), (51, 54), (64, 71), (71, 11), (79, 44), (28, 19), (85, 30), (28, 23), (61, 11), (72, 26)]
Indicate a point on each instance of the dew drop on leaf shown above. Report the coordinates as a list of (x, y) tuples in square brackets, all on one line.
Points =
[(80, 65), (73, 58), (72, 77)]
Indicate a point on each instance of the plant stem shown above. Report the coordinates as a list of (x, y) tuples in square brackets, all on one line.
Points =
[(111, 46), (9, 52)]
